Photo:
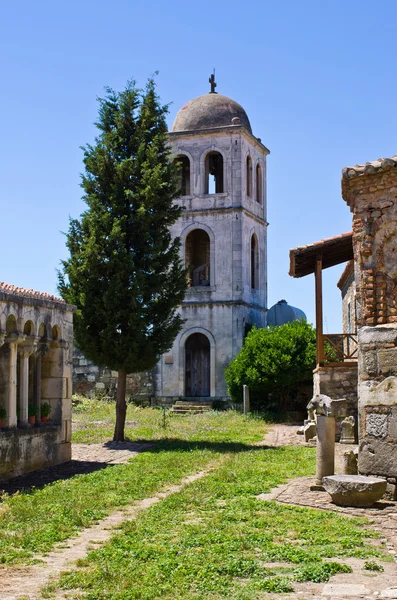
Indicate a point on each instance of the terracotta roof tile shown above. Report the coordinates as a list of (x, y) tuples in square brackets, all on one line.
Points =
[(323, 242), (369, 167), (8, 288)]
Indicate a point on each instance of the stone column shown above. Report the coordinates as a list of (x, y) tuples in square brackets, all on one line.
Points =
[(42, 349), (12, 340), (325, 449), (25, 349)]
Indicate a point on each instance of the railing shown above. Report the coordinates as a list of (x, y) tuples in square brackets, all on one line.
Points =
[(339, 348)]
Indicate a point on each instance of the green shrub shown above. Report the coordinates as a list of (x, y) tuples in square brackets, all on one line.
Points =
[(273, 362), (3, 412)]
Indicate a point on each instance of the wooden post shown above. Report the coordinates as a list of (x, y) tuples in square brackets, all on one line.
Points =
[(246, 399), (319, 309)]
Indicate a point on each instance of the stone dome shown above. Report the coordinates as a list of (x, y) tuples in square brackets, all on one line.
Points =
[(209, 111), (282, 313)]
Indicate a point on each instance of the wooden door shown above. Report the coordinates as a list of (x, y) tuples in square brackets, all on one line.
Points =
[(197, 366)]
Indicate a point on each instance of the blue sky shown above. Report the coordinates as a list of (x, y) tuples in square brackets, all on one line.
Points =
[(317, 80)]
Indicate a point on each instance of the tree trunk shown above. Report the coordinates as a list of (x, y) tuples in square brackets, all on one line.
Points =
[(121, 407)]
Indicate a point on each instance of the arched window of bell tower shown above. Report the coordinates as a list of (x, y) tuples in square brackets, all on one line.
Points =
[(254, 262), (197, 258), (259, 184), (213, 173), (182, 164), (249, 176)]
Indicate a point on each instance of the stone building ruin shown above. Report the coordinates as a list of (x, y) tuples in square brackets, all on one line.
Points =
[(36, 336), (369, 302)]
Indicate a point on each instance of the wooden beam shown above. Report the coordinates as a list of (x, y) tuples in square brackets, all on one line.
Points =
[(319, 309)]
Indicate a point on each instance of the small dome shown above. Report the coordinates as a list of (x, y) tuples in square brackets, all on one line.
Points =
[(209, 111), (282, 313)]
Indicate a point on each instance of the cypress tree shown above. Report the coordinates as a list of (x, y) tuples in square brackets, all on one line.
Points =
[(124, 272)]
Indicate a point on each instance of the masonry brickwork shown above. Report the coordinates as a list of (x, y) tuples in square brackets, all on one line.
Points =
[(93, 381), (371, 191)]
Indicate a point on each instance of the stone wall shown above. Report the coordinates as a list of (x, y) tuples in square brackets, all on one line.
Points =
[(338, 382), (36, 339), (90, 380), (347, 286), (371, 191), (378, 401), (25, 450)]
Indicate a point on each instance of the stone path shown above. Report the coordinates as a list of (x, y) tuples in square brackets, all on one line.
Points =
[(382, 517), (26, 582)]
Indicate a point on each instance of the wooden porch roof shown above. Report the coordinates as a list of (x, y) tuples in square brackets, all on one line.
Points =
[(334, 251)]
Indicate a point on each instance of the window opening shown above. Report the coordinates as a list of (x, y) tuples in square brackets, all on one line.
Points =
[(258, 184), (197, 258), (249, 176), (254, 262), (213, 173), (183, 170)]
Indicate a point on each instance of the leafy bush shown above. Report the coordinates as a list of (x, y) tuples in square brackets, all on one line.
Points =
[(272, 362), (3, 412)]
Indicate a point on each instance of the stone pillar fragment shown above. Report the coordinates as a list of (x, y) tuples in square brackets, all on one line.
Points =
[(325, 449)]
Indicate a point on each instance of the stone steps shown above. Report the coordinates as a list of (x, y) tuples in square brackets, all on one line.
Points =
[(184, 407)]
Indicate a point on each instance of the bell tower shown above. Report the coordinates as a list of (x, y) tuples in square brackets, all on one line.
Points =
[(222, 170)]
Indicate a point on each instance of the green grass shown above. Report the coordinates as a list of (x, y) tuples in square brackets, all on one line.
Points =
[(216, 540), (93, 422), (34, 522), (212, 540)]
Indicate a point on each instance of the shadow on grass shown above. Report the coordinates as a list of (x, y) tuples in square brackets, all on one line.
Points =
[(39, 479), (180, 445)]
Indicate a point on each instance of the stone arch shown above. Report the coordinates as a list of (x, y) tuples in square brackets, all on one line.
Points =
[(11, 324), (218, 166), (184, 235), (183, 165), (56, 332), (182, 359), (384, 252), (43, 331), (28, 328)]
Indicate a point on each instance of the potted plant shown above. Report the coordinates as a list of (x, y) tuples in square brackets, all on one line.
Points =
[(45, 409), (32, 413), (3, 414)]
